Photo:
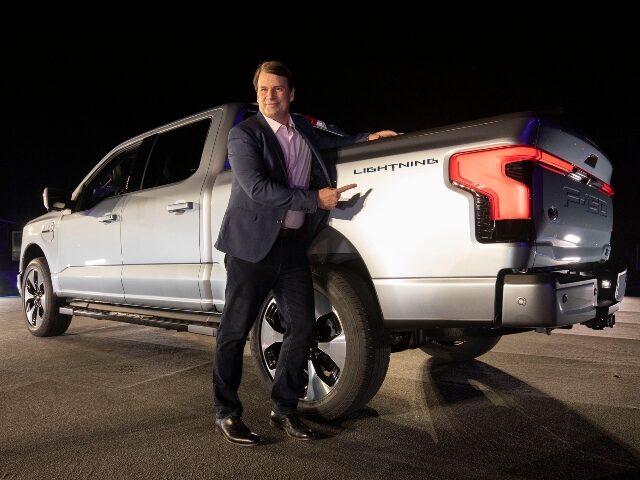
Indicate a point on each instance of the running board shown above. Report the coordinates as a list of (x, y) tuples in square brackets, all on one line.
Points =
[(193, 322)]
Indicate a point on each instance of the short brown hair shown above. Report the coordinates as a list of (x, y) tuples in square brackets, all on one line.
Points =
[(275, 68)]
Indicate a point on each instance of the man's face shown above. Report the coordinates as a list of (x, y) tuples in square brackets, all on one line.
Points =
[(274, 96)]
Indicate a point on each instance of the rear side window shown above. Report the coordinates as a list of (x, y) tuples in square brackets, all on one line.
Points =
[(243, 114), (176, 154)]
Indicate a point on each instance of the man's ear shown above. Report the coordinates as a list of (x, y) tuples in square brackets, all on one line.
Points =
[(292, 94)]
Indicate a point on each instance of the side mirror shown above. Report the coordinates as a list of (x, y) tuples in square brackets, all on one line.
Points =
[(55, 199)]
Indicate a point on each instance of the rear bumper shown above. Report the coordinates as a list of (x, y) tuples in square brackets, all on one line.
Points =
[(556, 299)]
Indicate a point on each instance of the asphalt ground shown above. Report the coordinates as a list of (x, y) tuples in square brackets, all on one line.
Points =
[(118, 401)]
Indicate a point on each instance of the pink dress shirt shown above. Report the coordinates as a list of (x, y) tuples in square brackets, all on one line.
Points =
[(297, 155)]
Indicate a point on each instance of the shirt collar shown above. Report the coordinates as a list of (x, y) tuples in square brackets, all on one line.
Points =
[(275, 125)]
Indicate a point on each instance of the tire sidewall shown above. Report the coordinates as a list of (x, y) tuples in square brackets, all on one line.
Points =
[(355, 323), (348, 381), (50, 313)]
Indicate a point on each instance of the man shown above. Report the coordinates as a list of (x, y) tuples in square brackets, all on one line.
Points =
[(280, 184)]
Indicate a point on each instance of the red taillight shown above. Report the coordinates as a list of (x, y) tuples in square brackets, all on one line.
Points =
[(607, 189), (553, 163), (485, 172)]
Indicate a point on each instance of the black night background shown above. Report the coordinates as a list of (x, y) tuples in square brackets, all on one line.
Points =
[(69, 97)]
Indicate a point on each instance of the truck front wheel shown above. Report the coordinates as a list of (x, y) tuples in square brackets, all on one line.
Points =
[(349, 356), (40, 303), (458, 345)]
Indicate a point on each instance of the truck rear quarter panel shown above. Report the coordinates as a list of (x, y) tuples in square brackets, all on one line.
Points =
[(406, 219)]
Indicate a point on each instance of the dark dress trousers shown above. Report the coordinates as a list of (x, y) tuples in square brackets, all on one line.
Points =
[(263, 258)]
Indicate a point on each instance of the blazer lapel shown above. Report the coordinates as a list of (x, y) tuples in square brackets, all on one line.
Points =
[(301, 125)]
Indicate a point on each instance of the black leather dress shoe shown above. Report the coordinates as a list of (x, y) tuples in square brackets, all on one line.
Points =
[(235, 431), (292, 425)]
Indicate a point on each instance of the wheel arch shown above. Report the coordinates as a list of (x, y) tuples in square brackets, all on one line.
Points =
[(331, 247), (30, 252)]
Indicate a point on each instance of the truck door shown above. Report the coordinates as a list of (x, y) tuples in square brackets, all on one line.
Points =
[(90, 259), (162, 222)]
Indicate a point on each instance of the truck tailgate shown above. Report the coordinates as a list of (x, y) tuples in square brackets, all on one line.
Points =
[(572, 210), (572, 221)]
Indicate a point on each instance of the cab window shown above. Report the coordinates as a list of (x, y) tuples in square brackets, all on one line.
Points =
[(176, 154), (120, 175)]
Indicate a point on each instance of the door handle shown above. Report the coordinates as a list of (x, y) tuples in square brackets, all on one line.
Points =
[(108, 218), (179, 207)]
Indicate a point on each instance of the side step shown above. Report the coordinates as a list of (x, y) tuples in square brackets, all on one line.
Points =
[(193, 322)]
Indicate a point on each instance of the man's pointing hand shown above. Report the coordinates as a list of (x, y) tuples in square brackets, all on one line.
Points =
[(328, 197)]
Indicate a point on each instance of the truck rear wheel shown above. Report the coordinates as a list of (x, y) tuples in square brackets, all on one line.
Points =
[(456, 345), (41, 306), (349, 357)]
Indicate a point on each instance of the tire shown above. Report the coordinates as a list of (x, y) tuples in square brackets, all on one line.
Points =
[(457, 345), (349, 357), (41, 306)]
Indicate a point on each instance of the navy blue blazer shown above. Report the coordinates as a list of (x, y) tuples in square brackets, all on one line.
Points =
[(260, 192)]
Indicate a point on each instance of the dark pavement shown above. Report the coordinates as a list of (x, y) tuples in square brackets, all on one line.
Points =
[(113, 400)]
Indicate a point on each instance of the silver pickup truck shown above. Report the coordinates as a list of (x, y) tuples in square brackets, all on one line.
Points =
[(454, 237)]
